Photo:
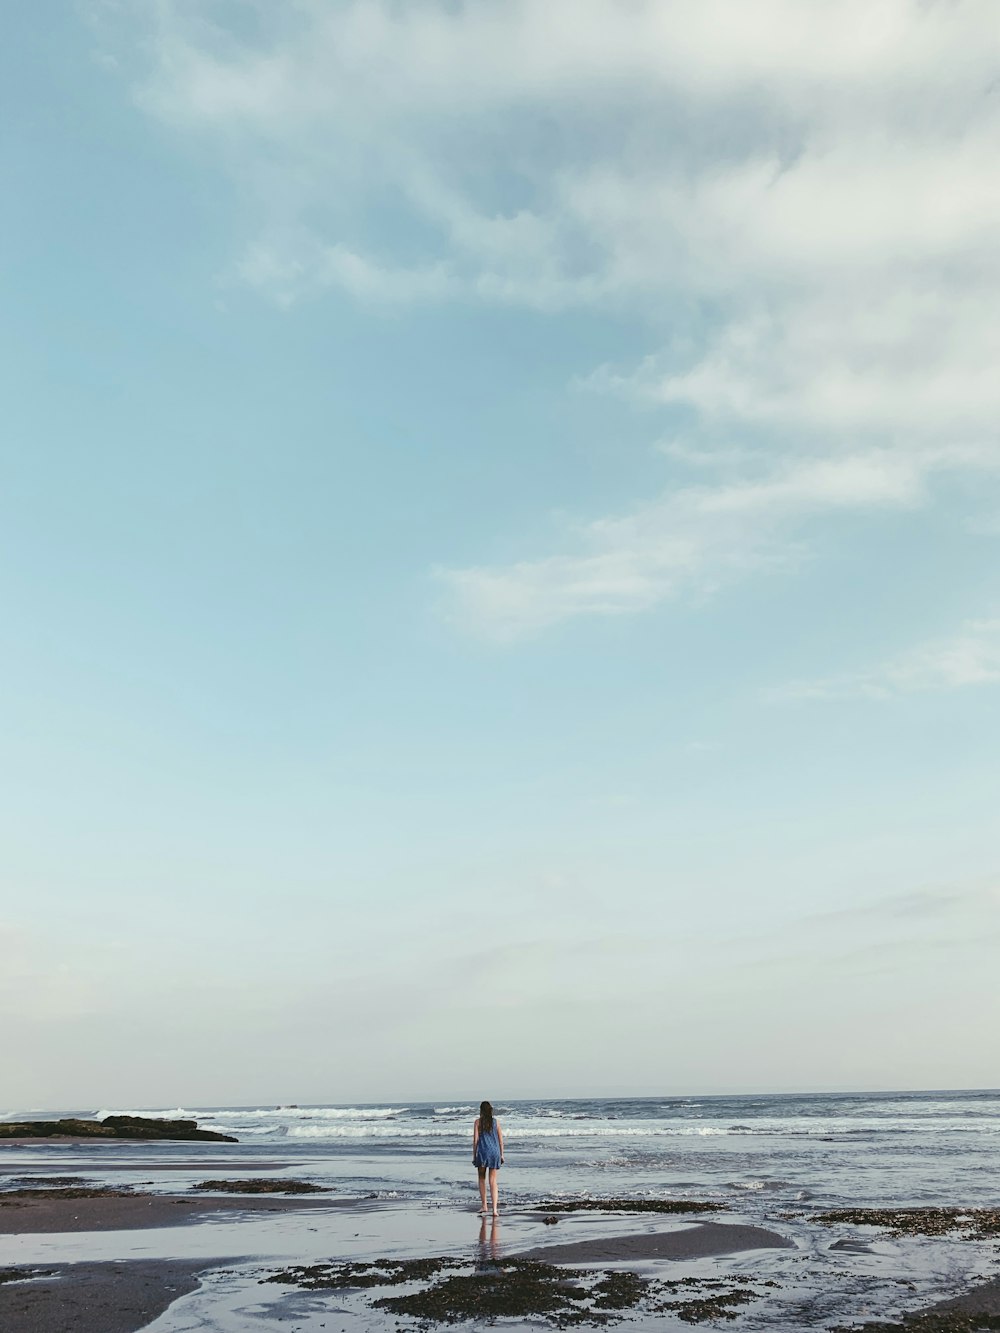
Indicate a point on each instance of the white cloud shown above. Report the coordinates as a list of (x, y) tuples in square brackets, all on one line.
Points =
[(797, 199), (690, 541), (494, 53), (287, 277), (970, 657), (609, 147), (917, 360)]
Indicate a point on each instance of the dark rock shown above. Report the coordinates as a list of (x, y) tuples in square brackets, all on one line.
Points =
[(111, 1127)]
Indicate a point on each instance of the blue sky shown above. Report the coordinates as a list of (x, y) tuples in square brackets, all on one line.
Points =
[(500, 524)]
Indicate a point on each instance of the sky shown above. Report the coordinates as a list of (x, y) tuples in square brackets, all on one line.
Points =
[(499, 517)]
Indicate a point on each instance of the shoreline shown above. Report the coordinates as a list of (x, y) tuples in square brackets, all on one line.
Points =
[(674, 1259), (125, 1295)]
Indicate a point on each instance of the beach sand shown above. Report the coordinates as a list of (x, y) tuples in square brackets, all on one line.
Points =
[(695, 1242), (116, 1263), (22, 1217), (981, 1300), (96, 1298), (125, 1294)]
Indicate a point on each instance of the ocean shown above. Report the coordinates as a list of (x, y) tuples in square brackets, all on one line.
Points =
[(756, 1153)]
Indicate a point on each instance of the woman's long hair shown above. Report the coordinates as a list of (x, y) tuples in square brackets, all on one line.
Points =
[(485, 1117)]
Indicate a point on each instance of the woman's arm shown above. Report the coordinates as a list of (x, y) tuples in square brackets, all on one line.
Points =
[(500, 1137), (475, 1138)]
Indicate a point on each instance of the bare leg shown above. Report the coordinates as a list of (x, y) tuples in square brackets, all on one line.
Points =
[(482, 1186), (493, 1191)]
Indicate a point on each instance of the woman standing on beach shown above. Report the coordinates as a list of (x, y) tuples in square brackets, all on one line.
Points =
[(487, 1152)]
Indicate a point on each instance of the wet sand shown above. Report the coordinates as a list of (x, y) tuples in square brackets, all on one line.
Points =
[(704, 1241), (97, 1298), (984, 1299), (124, 1297), (24, 1217)]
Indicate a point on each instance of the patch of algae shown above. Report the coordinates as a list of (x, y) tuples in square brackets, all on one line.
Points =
[(970, 1223), (347, 1276), (257, 1185), (456, 1290)]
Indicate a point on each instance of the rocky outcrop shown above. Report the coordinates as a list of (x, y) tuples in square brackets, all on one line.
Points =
[(111, 1127)]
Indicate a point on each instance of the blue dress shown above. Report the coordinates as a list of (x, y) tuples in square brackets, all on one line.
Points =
[(488, 1148)]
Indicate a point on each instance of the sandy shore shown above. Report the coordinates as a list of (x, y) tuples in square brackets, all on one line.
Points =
[(24, 1217), (127, 1275), (124, 1296), (96, 1298), (984, 1299), (703, 1241)]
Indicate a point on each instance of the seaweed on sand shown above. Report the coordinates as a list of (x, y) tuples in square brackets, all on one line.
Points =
[(254, 1185), (970, 1223), (697, 1309), (347, 1276), (514, 1288), (511, 1289), (718, 1297), (619, 1290), (455, 1290)]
